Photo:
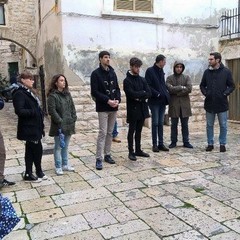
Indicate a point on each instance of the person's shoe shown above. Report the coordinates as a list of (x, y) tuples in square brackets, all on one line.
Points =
[(222, 148), (141, 154), (42, 176), (108, 159), (132, 156), (5, 182), (209, 148), (99, 164), (59, 171), (155, 148), (116, 139), (163, 148), (31, 178), (188, 145), (68, 168), (172, 145)]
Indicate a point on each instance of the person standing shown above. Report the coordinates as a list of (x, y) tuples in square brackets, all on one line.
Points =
[(30, 126), (179, 86), (137, 92), (106, 94), (115, 133), (3, 181), (216, 85), (61, 108), (158, 101)]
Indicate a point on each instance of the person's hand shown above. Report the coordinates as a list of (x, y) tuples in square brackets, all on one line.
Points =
[(113, 103)]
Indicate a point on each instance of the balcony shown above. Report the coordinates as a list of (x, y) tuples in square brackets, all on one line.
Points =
[(230, 23)]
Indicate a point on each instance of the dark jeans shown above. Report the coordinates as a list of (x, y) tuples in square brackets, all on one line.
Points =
[(33, 154), (158, 112), (174, 129), (135, 127)]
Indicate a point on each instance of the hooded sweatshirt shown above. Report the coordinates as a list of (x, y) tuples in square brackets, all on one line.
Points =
[(179, 87)]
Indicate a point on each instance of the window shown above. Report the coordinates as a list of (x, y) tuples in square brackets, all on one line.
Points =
[(2, 14), (134, 5)]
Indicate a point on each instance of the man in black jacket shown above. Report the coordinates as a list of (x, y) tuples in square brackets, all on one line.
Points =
[(137, 92), (106, 94), (158, 101), (216, 85)]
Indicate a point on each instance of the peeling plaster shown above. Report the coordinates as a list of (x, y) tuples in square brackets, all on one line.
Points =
[(53, 58)]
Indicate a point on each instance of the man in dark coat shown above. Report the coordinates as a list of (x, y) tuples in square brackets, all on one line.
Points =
[(158, 101), (179, 86), (137, 92), (106, 94), (216, 85)]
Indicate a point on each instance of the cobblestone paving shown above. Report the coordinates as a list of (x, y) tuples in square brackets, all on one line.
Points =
[(184, 194)]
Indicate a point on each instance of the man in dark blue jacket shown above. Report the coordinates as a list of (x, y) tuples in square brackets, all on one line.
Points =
[(216, 85), (106, 94), (158, 101)]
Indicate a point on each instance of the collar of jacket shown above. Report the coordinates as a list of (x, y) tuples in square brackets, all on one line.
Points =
[(104, 70), (157, 68), (220, 67), (131, 75)]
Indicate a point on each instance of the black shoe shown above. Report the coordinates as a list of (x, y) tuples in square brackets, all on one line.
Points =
[(163, 148), (132, 156), (99, 165), (141, 154), (155, 148), (188, 145), (5, 183), (222, 148), (31, 178), (108, 159), (209, 148), (172, 145)]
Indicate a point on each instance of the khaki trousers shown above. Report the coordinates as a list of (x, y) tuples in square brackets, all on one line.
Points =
[(104, 141)]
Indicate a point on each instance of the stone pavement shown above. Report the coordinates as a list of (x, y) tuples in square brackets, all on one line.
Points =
[(184, 194)]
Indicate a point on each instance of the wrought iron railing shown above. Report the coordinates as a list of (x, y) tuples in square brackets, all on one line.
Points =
[(230, 23)]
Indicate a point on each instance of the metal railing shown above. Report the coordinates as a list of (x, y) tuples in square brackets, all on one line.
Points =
[(230, 23)]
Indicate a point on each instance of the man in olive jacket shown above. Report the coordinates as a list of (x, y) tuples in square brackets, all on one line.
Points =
[(179, 86), (216, 85)]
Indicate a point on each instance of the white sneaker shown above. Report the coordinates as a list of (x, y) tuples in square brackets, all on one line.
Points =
[(68, 168), (59, 171), (44, 177)]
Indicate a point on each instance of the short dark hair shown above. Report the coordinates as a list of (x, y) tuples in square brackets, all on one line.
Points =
[(159, 58), (135, 62), (103, 53), (25, 75), (216, 55)]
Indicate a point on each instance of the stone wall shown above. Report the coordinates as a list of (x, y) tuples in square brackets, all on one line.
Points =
[(87, 117), (21, 29)]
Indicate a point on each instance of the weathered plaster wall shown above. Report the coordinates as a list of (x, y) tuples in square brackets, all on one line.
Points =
[(230, 48), (49, 39), (20, 28), (189, 30)]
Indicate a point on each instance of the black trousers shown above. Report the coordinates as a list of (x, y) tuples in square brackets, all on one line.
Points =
[(135, 128), (33, 154)]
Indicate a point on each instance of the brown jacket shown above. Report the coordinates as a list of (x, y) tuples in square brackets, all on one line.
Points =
[(179, 87)]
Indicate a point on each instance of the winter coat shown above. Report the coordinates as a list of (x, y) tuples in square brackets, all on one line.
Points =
[(30, 117), (62, 111), (216, 85), (156, 81), (104, 86), (137, 92), (179, 87)]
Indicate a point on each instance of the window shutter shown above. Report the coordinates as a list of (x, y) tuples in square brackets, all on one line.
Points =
[(143, 5), (124, 5)]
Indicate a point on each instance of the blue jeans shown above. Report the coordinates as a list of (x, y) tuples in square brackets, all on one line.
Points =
[(222, 119), (115, 132), (61, 154), (158, 112), (174, 129)]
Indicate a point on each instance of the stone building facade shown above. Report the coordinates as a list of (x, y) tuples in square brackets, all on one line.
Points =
[(19, 28)]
